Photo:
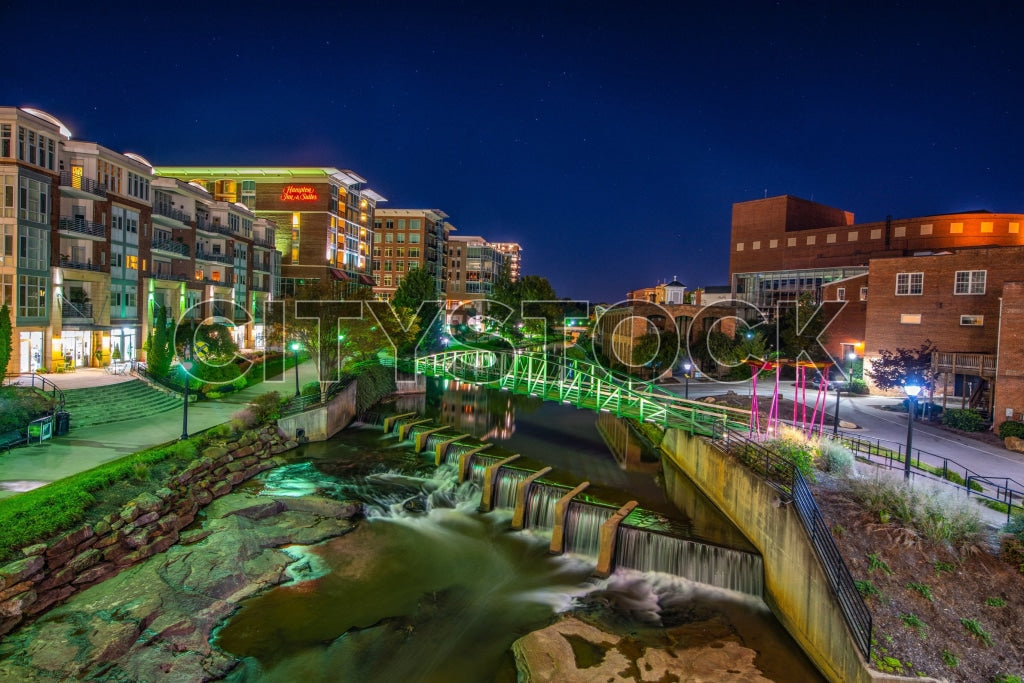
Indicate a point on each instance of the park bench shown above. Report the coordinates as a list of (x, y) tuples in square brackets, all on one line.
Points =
[(11, 438)]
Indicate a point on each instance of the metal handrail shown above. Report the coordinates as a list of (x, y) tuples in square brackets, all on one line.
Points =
[(70, 309), (78, 265), (216, 258), (87, 184), (16, 378), (81, 226), (172, 246), (175, 214)]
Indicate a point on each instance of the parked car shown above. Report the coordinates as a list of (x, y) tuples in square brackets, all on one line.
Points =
[(836, 382)]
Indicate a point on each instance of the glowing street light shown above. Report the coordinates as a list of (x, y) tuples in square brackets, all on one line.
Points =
[(687, 366), (295, 349), (186, 366), (912, 388)]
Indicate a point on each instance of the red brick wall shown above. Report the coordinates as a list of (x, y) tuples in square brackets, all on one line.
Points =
[(939, 307), (848, 326), (1009, 390)]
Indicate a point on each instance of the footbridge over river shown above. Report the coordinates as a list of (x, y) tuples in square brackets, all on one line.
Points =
[(580, 383)]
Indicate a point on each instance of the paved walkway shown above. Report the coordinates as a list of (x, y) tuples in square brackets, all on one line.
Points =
[(83, 448)]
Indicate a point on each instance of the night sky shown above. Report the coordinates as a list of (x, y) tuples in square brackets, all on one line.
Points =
[(609, 139)]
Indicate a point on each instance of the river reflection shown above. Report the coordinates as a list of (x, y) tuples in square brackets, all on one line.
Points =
[(428, 589)]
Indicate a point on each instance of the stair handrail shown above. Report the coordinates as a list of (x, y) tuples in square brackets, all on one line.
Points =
[(15, 378)]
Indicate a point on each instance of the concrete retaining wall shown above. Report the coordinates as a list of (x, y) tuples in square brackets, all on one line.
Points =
[(51, 572), (796, 587), (320, 424)]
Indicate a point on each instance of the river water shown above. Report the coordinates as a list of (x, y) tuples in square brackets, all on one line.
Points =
[(428, 589)]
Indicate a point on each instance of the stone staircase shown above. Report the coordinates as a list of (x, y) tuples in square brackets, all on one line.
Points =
[(117, 402)]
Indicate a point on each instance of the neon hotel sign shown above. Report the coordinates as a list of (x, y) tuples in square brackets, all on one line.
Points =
[(299, 193)]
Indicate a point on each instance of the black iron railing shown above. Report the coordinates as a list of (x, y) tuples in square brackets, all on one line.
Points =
[(33, 380), (70, 309), (171, 246), (80, 226), (79, 265), (215, 258), (87, 184), (175, 214), (783, 476)]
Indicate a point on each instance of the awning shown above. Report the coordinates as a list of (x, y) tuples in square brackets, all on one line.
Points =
[(367, 280), (340, 275)]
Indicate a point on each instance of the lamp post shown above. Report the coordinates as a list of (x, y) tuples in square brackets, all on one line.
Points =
[(911, 389), (687, 366), (835, 420), (186, 366), (295, 349)]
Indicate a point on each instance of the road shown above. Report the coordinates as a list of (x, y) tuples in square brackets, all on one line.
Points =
[(876, 423)]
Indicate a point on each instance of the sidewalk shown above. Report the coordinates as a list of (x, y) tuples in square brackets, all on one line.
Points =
[(29, 467)]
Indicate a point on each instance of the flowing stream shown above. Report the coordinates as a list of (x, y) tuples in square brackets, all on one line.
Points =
[(428, 589)]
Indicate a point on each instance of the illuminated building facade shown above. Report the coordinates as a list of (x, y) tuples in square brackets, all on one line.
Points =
[(407, 239), (102, 244), (513, 254), (474, 266), (324, 218)]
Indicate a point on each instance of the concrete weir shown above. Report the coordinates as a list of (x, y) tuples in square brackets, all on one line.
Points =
[(609, 532), (557, 546)]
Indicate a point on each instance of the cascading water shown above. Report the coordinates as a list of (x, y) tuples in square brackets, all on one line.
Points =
[(650, 551), (583, 526), (505, 487), (540, 505)]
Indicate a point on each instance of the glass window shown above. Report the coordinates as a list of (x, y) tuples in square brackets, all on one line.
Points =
[(35, 202), (969, 282), (972, 320), (31, 296), (909, 283)]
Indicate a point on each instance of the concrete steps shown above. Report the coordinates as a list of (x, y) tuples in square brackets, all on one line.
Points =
[(116, 403)]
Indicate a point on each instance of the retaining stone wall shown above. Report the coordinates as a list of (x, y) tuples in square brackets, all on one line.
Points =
[(151, 523)]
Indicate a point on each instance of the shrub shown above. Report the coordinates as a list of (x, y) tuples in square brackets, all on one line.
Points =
[(1011, 428), (967, 420), (310, 389), (834, 457), (974, 627), (21, 405), (267, 406), (793, 446), (858, 386), (246, 418), (373, 384), (1011, 550), (935, 514)]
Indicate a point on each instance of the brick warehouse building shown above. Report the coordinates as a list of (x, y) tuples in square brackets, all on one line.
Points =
[(904, 281)]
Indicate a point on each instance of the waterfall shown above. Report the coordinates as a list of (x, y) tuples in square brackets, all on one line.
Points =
[(583, 526), (506, 481), (540, 505), (454, 450), (713, 565), (433, 440)]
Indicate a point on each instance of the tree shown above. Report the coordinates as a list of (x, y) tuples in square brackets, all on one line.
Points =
[(161, 346), (659, 351), (801, 330), (417, 293), (892, 369), (6, 338)]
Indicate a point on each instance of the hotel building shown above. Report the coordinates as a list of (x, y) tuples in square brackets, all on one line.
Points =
[(324, 218), (407, 239), (513, 253)]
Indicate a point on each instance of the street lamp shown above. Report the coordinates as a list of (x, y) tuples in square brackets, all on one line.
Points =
[(295, 349), (186, 366), (835, 421), (911, 389), (687, 366)]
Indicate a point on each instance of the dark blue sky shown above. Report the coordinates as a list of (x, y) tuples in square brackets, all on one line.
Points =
[(609, 139)]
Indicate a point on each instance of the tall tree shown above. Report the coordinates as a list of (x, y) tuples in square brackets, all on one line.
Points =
[(801, 330), (161, 346), (6, 338)]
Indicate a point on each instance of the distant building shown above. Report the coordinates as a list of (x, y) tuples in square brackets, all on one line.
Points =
[(665, 293), (474, 267), (406, 239), (513, 256)]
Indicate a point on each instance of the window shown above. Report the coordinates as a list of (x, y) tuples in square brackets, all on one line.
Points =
[(413, 265), (401, 224), (387, 279), (414, 238), (31, 296), (810, 240), (35, 202), (831, 239), (32, 250), (756, 244), (388, 251), (841, 293), (400, 252), (910, 318), (772, 244), (876, 234), (909, 283), (972, 320), (389, 237), (863, 293), (956, 228), (5, 140), (390, 224), (400, 237), (387, 265), (739, 246), (132, 262), (851, 236), (926, 229), (791, 242), (400, 266), (899, 231), (414, 223), (138, 186), (969, 282), (376, 251), (414, 252)]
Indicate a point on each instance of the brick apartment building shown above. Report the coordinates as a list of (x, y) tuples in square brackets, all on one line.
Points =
[(904, 281), (102, 244), (407, 239)]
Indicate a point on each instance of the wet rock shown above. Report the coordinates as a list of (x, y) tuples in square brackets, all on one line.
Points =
[(324, 507), (37, 549), (244, 505), (17, 571), (417, 505)]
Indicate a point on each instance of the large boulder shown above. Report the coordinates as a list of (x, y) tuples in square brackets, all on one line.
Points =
[(1014, 444)]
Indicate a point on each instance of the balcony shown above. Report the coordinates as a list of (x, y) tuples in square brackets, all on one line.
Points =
[(215, 258), (66, 262), (203, 225), (84, 184), (174, 214), (262, 243), (76, 311), (79, 227), (261, 267), (977, 364), (171, 248), (161, 275)]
